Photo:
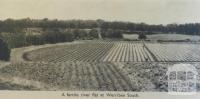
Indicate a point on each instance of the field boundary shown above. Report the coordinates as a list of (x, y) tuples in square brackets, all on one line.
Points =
[(154, 57)]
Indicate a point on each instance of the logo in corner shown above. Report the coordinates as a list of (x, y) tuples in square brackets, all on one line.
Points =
[(182, 79)]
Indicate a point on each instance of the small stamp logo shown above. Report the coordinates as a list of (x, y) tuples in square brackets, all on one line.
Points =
[(182, 79)]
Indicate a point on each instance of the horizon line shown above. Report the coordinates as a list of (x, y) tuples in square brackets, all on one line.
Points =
[(76, 19)]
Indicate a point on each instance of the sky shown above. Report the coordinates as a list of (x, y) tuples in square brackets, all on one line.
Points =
[(147, 11)]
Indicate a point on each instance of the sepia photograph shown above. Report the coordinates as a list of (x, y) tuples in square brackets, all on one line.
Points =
[(100, 46)]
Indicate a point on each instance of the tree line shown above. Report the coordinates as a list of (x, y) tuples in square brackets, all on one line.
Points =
[(11, 25)]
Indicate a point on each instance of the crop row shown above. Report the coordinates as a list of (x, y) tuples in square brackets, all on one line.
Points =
[(128, 52), (72, 75), (117, 51), (88, 52), (175, 52), (95, 76)]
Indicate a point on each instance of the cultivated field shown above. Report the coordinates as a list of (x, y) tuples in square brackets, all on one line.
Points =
[(173, 37), (98, 66), (164, 37), (130, 36), (88, 52), (93, 52), (128, 52), (89, 76), (175, 52), (117, 51), (71, 76)]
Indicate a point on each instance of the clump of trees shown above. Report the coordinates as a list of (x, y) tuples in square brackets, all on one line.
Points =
[(4, 51), (56, 37), (93, 33), (142, 36), (14, 40), (49, 38), (110, 33), (84, 34)]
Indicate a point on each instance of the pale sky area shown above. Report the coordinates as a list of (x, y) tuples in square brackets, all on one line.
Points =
[(147, 11)]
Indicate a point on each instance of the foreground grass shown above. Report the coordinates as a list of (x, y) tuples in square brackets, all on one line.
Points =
[(4, 85)]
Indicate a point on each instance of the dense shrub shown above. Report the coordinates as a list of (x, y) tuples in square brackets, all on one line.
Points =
[(110, 33), (93, 33), (49, 38), (4, 51), (142, 36), (14, 40)]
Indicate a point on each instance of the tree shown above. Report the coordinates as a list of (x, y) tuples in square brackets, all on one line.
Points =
[(93, 33), (34, 40), (110, 33), (79, 34), (117, 34), (142, 36), (69, 36), (4, 51)]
